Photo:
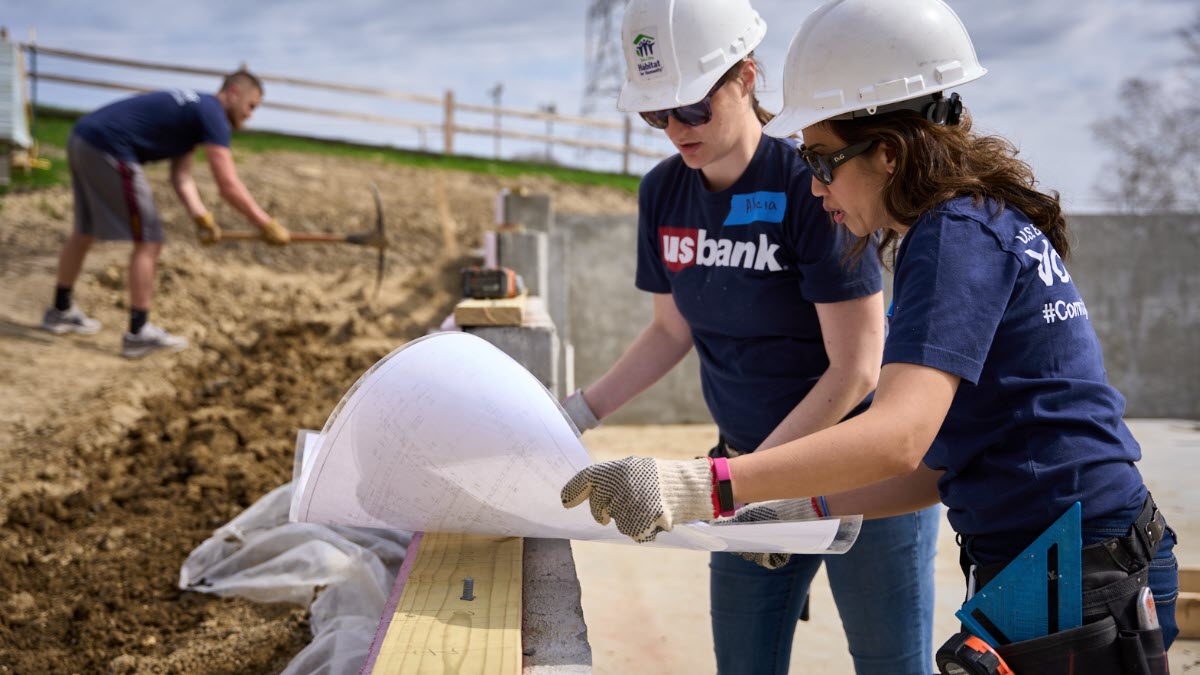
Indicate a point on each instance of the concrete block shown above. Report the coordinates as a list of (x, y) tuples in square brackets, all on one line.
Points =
[(534, 345), (557, 291), (527, 254), (534, 212), (553, 632)]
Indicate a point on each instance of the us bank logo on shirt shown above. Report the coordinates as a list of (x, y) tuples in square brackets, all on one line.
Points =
[(644, 44), (756, 207), (684, 247)]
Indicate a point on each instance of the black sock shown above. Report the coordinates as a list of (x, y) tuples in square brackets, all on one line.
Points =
[(137, 319), (62, 298)]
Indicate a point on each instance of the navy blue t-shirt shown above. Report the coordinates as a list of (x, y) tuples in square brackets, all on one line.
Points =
[(745, 266), (154, 126), (1034, 426)]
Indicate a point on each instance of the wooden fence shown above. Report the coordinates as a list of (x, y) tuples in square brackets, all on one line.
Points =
[(636, 141)]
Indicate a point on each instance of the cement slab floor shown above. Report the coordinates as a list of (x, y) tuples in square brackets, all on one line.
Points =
[(647, 608)]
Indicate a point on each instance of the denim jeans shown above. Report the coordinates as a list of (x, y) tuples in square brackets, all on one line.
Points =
[(1164, 571), (883, 587)]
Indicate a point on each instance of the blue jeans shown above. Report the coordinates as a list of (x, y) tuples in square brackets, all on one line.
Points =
[(883, 587), (1164, 571)]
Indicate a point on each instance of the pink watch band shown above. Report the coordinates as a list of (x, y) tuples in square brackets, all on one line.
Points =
[(723, 487)]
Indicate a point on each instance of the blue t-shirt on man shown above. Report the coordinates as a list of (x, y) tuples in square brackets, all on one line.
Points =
[(154, 126), (1034, 426), (745, 266)]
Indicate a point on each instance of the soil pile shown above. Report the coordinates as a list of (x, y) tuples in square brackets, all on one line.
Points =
[(115, 470)]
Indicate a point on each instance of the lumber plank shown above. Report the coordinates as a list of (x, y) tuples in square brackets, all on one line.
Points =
[(502, 312), (1187, 614), (1189, 579), (434, 630)]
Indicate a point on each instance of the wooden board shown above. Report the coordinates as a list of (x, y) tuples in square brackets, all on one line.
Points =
[(506, 312), (1187, 614), (433, 630), (1187, 607), (1189, 579)]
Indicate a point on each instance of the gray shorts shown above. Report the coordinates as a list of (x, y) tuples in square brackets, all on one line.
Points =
[(112, 198)]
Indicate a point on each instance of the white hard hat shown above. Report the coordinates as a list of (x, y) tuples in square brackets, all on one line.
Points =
[(676, 50), (861, 56)]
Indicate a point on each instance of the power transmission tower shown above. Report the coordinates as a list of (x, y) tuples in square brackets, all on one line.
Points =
[(605, 67)]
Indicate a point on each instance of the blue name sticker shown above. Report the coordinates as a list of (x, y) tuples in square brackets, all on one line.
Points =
[(766, 207)]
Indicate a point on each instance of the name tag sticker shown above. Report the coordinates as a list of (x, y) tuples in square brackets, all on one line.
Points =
[(764, 207)]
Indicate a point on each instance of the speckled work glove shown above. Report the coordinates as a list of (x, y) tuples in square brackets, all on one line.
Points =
[(207, 230), (275, 234), (780, 509), (645, 496), (580, 412)]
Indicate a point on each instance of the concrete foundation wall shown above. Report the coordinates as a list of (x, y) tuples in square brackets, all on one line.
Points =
[(607, 312), (1139, 277)]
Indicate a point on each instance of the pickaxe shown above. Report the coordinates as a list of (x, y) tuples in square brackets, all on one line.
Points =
[(374, 238)]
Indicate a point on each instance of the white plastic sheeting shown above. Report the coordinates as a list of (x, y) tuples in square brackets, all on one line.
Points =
[(261, 556), (14, 128)]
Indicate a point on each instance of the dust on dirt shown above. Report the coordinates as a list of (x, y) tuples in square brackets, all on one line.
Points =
[(115, 470)]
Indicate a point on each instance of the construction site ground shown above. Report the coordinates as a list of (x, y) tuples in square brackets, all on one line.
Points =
[(114, 470)]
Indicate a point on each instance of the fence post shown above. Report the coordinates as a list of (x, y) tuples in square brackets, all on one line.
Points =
[(448, 124), (628, 142)]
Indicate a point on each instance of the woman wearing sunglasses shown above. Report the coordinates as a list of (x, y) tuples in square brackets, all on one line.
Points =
[(743, 264), (993, 397)]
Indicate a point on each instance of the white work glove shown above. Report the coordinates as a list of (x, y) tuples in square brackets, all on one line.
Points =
[(580, 412), (761, 512), (645, 496)]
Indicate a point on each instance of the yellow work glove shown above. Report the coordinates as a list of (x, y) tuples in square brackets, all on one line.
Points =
[(275, 234), (645, 496), (764, 512), (207, 230)]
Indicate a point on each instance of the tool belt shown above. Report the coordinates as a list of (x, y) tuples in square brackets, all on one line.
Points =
[(722, 449), (1110, 641)]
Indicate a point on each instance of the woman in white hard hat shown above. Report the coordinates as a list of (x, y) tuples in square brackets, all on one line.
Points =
[(744, 265), (993, 397)]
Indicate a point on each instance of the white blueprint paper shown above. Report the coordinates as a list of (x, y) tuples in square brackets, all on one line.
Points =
[(450, 434)]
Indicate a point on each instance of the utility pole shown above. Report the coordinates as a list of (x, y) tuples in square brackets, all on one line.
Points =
[(549, 109), (495, 93)]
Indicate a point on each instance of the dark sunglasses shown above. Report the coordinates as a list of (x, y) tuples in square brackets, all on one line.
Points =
[(822, 166), (692, 115)]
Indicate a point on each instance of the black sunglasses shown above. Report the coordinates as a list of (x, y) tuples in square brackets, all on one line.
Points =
[(692, 115), (822, 166)]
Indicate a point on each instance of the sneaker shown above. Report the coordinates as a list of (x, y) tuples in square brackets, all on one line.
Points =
[(72, 320), (149, 339)]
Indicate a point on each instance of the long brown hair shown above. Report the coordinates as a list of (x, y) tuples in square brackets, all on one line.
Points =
[(935, 163)]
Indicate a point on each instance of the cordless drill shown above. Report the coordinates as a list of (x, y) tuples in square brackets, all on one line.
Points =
[(489, 283)]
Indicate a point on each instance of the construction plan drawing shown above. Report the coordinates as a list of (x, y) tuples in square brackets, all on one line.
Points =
[(450, 434)]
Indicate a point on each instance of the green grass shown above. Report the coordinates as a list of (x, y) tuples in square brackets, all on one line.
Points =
[(53, 126)]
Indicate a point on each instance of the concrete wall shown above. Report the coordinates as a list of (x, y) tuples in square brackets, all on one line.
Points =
[(607, 312), (1139, 276), (1140, 279)]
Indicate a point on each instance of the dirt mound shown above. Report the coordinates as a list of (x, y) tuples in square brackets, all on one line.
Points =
[(115, 470)]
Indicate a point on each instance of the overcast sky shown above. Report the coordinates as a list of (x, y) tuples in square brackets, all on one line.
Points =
[(1054, 66)]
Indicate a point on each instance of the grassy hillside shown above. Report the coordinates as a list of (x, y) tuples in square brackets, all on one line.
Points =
[(53, 126)]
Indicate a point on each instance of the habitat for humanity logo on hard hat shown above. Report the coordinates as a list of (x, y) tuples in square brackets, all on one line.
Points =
[(643, 46)]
